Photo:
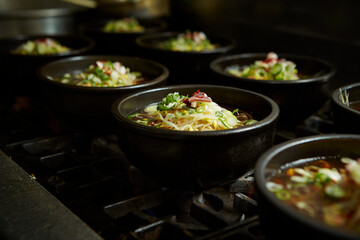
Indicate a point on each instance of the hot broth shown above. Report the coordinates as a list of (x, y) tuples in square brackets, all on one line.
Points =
[(355, 105), (327, 189)]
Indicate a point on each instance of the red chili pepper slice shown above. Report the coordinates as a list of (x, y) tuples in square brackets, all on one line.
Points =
[(199, 97)]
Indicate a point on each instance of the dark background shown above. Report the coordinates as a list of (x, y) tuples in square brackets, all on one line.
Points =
[(327, 29)]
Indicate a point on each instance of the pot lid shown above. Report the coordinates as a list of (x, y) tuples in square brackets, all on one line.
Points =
[(37, 8)]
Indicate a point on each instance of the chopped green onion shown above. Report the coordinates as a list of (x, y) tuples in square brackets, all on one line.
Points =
[(200, 109), (223, 122), (110, 64), (276, 69), (250, 121), (282, 194), (334, 191), (132, 115), (219, 114), (322, 178)]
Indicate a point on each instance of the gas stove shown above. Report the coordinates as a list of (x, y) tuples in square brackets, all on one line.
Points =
[(65, 183)]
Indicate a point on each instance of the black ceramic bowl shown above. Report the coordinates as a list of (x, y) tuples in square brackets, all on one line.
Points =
[(193, 160), (119, 43), (346, 118), (21, 69), (93, 103), (185, 66), (297, 99), (279, 220)]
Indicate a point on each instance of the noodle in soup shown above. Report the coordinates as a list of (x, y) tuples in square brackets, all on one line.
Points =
[(195, 113)]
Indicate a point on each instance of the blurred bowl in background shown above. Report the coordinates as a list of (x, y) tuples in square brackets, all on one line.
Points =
[(186, 67), (20, 70), (91, 106), (345, 106), (297, 99), (119, 43)]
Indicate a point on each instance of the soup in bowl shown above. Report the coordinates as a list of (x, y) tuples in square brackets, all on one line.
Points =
[(297, 83), (195, 156), (21, 55), (84, 87), (186, 53), (117, 35), (311, 185)]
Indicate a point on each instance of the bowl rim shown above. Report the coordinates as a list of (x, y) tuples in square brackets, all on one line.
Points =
[(336, 100), (167, 34), (214, 66), (259, 176), (90, 44), (161, 78), (165, 133)]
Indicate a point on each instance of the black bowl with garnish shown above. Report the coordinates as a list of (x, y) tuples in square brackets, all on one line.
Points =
[(291, 211), (186, 66), (84, 104), (20, 68), (346, 108), (114, 41), (297, 99), (195, 159)]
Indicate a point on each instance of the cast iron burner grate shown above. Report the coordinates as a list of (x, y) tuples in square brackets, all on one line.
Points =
[(89, 174)]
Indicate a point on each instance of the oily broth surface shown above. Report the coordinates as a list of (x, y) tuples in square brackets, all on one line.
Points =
[(310, 198)]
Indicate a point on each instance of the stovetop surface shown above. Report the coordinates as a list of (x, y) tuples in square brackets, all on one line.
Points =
[(88, 173)]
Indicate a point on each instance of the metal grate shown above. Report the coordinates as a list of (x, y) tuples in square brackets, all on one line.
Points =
[(90, 175)]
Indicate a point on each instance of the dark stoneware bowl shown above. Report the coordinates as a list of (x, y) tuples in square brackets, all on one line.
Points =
[(195, 160), (279, 220), (119, 43), (20, 70), (297, 99), (186, 67), (346, 119), (91, 104)]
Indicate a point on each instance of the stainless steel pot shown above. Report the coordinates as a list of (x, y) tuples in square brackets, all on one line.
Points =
[(37, 17), (136, 8)]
